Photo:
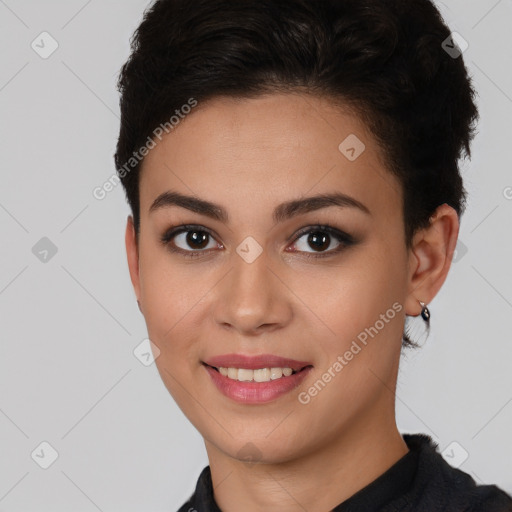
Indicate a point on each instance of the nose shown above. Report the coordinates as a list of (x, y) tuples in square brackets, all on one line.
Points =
[(252, 298)]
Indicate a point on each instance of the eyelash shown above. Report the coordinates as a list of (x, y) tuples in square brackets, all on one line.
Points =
[(343, 238)]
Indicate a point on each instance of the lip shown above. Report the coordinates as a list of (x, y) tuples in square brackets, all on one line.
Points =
[(256, 392), (255, 362)]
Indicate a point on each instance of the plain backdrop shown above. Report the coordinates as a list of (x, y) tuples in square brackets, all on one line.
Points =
[(113, 438)]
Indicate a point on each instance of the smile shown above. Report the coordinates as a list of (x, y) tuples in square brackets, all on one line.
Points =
[(256, 375), (256, 386)]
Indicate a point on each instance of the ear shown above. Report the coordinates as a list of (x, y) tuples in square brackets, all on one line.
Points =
[(132, 254), (430, 258)]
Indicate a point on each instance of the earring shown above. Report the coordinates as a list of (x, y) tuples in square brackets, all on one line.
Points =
[(425, 313)]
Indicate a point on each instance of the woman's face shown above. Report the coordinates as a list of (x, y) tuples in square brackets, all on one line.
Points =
[(251, 282)]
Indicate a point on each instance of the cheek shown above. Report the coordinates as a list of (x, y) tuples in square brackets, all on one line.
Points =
[(172, 298), (358, 300), (169, 294), (353, 293)]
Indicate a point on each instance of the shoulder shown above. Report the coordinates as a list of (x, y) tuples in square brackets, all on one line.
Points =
[(440, 486), (202, 497), (187, 507)]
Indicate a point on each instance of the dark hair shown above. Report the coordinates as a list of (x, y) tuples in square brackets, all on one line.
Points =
[(385, 59)]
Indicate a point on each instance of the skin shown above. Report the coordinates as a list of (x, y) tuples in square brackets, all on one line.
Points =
[(249, 156)]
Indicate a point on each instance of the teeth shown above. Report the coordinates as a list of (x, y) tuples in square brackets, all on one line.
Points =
[(244, 375), (259, 375), (262, 375), (276, 373)]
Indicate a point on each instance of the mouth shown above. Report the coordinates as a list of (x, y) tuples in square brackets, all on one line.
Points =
[(256, 378), (267, 374)]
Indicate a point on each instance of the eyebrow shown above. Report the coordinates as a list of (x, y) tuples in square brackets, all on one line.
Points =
[(281, 213)]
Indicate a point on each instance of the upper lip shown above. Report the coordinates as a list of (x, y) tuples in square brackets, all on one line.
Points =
[(255, 362)]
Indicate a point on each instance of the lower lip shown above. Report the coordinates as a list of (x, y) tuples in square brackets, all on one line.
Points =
[(256, 392)]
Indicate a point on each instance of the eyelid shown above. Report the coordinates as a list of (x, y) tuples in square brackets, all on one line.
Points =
[(183, 228), (322, 227)]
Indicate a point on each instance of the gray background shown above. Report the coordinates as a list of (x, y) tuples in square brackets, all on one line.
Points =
[(70, 324)]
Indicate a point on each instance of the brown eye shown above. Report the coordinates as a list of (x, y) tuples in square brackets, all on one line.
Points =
[(319, 241), (324, 240), (196, 239), (189, 240)]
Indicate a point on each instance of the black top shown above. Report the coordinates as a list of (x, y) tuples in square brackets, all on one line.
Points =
[(421, 481)]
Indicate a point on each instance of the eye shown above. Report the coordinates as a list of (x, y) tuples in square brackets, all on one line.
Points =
[(189, 240), (193, 241), (321, 238)]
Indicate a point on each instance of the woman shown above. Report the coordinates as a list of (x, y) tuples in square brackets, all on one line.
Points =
[(292, 171)]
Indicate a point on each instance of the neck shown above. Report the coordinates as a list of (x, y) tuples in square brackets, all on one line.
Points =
[(317, 481)]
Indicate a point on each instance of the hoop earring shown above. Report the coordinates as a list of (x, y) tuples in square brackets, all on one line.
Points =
[(425, 313)]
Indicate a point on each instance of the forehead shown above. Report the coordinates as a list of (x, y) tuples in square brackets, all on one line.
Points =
[(265, 150)]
